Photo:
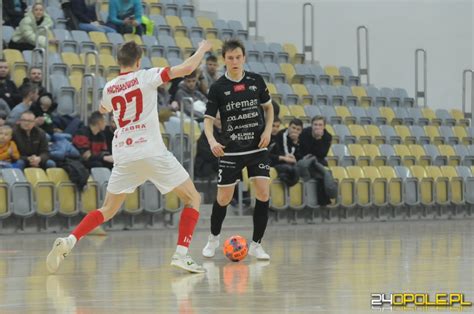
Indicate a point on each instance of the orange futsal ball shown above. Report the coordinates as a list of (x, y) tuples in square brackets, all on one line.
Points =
[(235, 248)]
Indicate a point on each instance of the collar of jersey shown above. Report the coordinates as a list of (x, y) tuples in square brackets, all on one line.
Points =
[(227, 76), (125, 73)]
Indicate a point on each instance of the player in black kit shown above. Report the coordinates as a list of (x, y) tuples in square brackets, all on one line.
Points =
[(246, 112)]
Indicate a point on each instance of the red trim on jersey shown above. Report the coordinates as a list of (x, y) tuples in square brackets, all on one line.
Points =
[(125, 73), (165, 75)]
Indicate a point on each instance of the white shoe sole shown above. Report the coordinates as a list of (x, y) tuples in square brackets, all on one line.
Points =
[(184, 267), (208, 255), (54, 258)]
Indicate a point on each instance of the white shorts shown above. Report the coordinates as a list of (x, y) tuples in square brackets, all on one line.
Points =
[(165, 172)]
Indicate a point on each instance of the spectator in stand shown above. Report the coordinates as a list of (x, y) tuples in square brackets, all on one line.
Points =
[(125, 16), (92, 144), (44, 110), (188, 88), (285, 151), (8, 90), (13, 12), (275, 128), (206, 164), (209, 74), (35, 76), (8, 151), (24, 37), (84, 11), (4, 111), (32, 143), (29, 92), (315, 142)]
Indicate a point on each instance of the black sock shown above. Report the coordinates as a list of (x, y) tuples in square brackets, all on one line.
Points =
[(217, 218), (260, 219)]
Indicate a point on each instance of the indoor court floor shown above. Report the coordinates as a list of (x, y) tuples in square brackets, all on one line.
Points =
[(322, 268)]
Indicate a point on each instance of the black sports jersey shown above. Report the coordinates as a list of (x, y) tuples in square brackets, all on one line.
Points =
[(239, 105)]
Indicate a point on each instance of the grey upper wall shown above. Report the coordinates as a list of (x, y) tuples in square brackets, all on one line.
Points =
[(444, 28)]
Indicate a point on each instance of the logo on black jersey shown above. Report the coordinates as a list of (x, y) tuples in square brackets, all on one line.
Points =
[(239, 88), (227, 93), (230, 128), (253, 88)]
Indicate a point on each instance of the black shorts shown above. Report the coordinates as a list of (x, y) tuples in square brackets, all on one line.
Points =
[(230, 167)]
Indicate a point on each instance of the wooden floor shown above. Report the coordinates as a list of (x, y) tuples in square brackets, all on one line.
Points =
[(314, 268)]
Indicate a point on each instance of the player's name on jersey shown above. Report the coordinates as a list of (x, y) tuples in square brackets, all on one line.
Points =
[(117, 88)]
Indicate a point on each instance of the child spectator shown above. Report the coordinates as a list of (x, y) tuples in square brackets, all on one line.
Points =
[(9, 153)]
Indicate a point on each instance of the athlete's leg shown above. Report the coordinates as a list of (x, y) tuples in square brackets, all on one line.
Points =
[(260, 214), (219, 209), (187, 222), (63, 246)]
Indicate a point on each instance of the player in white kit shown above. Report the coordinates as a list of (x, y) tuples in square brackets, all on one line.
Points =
[(139, 152)]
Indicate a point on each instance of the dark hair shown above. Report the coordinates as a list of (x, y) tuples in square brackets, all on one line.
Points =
[(232, 44), (318, 118), (192, 75), (276, 119), (35, 67), (95, 117), (129, 53), (28, 88), (296, 122), (211, 58)]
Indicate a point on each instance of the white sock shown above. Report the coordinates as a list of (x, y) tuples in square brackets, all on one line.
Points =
[(72, 240), (182, 250)]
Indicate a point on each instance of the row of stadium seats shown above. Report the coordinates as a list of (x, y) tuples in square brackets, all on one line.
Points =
[(382, 187), (404, 186), (48, 193), (375, 115), (400, 134), (398, 154)]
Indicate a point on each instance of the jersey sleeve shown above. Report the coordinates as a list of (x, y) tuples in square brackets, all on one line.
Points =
[(157, 76), (212, 102), (264, 94)]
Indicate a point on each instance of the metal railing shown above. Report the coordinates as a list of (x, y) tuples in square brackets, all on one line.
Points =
[(42, 31), (1, 33), (252, 23), (421, 93), (84, 110), (465, 75), (308, 46), (190, 141), (363, 70)]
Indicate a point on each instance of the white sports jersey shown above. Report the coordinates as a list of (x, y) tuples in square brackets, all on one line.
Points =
[(133, 99)]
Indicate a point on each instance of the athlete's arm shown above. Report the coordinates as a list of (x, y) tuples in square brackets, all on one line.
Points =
[(266, 135), (216, 148), (191, 63)]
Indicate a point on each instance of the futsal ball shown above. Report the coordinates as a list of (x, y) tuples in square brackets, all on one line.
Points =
[(235, 248)]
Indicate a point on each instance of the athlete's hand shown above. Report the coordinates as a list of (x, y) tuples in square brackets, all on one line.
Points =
[(205, 45), (217, 149), (265, 139)]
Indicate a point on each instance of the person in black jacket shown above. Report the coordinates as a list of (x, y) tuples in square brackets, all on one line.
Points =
[(315, 142), (84, 11), (285, 151), (92, 144), (45, 109), (8, 90), (35, 76), (13, 12), (32, 143)]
